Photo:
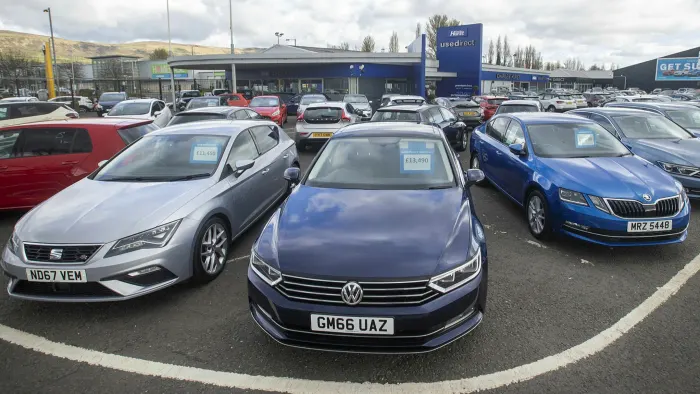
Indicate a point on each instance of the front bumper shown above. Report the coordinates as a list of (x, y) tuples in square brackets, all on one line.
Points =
[(592, 225), (420, 328), (107, 278)]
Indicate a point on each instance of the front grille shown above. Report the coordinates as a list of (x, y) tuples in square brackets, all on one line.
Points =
[(374, 293), (61, 253), (634, 209)]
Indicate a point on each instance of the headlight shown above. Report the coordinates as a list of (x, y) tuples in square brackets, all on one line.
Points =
[(270, 275), (572, 197), (13, 244), (679, 169), (599, 203), (277, 112), (683, 194), (454, 278), (156, 237)]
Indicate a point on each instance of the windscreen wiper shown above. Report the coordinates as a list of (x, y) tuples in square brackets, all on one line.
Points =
[(190, 177), (131, 179)]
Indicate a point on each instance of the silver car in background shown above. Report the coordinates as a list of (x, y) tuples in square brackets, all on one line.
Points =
[(165, 209), (319, 121), (361, 104), (309, 99)]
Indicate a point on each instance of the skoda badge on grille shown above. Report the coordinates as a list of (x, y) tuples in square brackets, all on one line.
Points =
[(646, 197), (351, 293)]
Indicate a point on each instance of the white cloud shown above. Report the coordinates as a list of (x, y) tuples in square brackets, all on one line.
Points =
[(597, 31)]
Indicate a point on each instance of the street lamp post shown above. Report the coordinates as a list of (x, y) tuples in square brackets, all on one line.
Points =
[(170, 44), (230, 19), (278, 34), (53, 48)]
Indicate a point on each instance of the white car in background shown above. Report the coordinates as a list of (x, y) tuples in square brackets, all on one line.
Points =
[(320, 121), (153, 109), (557, 102), (642, 98), (19, 100), (405, 100), (84, 103), (580, 100), (14, 112), (309, 99)]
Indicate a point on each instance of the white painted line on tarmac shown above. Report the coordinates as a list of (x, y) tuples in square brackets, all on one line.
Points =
[(292, 385), (238, 258)]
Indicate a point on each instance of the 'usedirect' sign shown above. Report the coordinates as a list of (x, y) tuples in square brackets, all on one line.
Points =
[(458, 43)]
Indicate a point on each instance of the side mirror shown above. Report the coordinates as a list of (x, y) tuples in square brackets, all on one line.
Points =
[(156, 113), (243, 165), (371, 102), (292, 174), (517, 149), (474, 176), (100, 164)]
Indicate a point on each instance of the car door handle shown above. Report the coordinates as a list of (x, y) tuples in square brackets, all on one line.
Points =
[(498, 152), (65, 163), (286, 156), (265, 171)]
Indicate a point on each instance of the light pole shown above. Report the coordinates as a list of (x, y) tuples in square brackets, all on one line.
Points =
[(53, 47), (278, 34), (230, 18), (170, 44), (291, 39), (623, 76)]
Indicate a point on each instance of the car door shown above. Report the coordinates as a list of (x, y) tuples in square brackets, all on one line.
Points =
[(491, 153), (514, 173), (165, 115), (350, 110), (451, 127), (272, 158), (244, 188), (13, 170)]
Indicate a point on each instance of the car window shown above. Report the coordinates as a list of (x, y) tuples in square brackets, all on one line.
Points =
[(574, 140), (514, 134), (497, 128), (447, 114), (131, 134), (266, 137), (45, 142), (252, 114), (395, 116), (81, 142), (4, 112), (32, 109), (688, 118), (243, 148), (650, 127), (8, 141), (583, 114), (349, 108), (436, 115), (240, 115), (604, 122), (506, 109), (161, 105)]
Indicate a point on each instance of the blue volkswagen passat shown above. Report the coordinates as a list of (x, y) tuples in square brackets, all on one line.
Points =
[(377, 249), (655, 138), (574, 177)]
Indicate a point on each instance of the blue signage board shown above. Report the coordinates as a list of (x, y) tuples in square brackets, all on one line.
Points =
[(678, 69), (459, 50), (511, 76)]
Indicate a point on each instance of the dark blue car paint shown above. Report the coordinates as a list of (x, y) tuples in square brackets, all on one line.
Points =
[(627, 177)]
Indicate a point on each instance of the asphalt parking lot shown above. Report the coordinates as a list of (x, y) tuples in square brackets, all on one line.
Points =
[(544, 298)]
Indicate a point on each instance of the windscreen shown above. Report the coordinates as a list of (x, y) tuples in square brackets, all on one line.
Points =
[(264, 102), (645, 99), (190, 93), (650, 127), (166, 157), (131, 134), (203, 103), (132, 108), (396, 116), (194, 117), (507, 109), (496, 101), (382, 163), (361, 99), (688, 118), (306, 100), (573, 140), (112, 97)]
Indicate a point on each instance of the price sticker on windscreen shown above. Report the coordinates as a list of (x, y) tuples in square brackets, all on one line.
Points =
[(417, 156), (204, 154), (585, 139)]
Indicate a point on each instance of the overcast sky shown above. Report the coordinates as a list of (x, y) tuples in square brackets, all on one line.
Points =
[(597, 31)]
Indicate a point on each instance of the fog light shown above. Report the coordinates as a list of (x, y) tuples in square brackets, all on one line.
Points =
[(576, 225), (461, 317), (144, 271)]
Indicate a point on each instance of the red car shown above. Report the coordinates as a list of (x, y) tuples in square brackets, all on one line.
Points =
[(489, 105), (270, 107), (235, 99), (37, 160)]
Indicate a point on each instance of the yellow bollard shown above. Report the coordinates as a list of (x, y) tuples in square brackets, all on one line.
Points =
[(49, 70)]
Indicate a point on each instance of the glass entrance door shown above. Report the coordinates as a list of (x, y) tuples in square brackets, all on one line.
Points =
[(311, 86)]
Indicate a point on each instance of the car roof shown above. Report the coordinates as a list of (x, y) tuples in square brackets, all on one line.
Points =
[(117, 122), (616, 111), (388, 129), (407, 97), (327, 103), (521, 102), (487, 97), (406, 107), (208, 110), (310, 94), (23, 103), (276, 96), (146, 100), (532, 118), (658, 105), (229, 128)]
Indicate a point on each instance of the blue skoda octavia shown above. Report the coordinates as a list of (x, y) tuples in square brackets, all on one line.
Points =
[(377, 249), (574, 177)]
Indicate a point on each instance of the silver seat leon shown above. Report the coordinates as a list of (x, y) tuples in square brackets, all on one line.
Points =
[(163, 210)]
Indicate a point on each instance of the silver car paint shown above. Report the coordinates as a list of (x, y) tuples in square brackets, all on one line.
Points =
[(104, 212)]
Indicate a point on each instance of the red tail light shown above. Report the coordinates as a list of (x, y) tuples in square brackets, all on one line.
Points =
[(300, 118), (560, 102), (345, 118), (492, 106)]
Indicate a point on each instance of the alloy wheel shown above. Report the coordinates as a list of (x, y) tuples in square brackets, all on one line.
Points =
[(213, 248), (475, 163), (535, 214)]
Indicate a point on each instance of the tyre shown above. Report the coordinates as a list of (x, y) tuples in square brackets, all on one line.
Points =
[(551, 108), (210, 252), (475, 164), (462, 143), (82, 109), (537, 214), (285, 120)]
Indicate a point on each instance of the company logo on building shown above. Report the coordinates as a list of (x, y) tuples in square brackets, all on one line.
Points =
[(508, 76), (458, 43), (457, 33)]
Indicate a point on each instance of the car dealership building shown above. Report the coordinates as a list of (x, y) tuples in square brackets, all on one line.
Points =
[(674, 71)]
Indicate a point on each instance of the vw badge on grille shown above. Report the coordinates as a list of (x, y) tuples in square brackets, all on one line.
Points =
[(55, 254), (351, 293), (646, 197)]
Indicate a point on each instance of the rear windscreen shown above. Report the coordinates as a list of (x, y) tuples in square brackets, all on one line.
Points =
[(507, 109), (496, 101), (131, 134), (189, 118), (323, 115), (396, 116)]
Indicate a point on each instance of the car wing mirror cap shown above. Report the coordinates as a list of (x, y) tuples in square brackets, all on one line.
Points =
[(292, 174), (517, 149), (102, 163), (243, 165), (473, 176)]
